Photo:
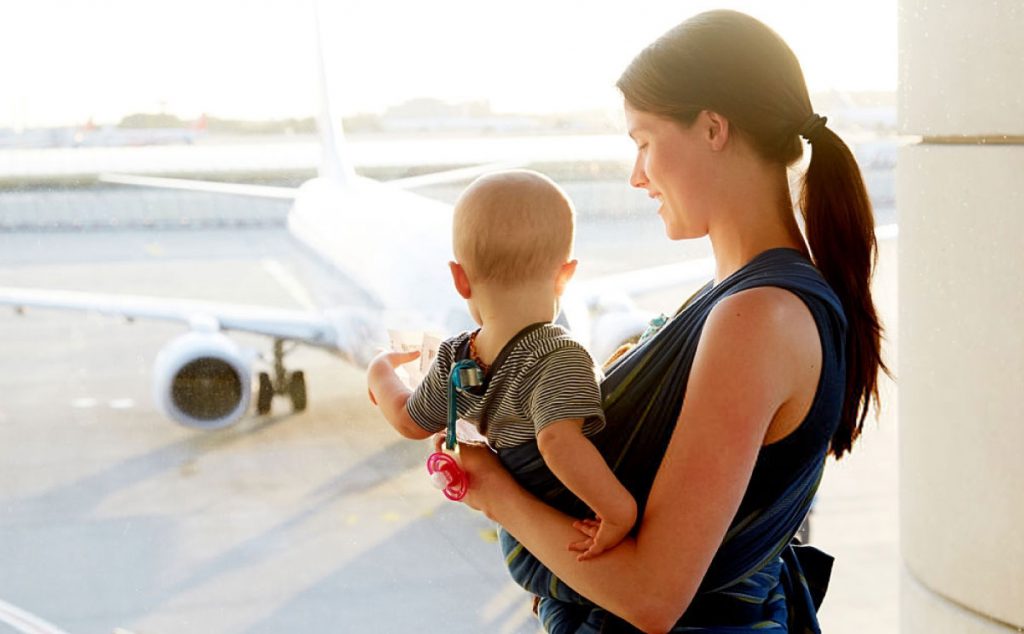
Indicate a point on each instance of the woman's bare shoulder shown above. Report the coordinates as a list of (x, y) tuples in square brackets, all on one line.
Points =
[(766, 301), (766, 313), (764, 337)]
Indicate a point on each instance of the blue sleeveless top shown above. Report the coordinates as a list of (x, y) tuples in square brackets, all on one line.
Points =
[(758, 580)]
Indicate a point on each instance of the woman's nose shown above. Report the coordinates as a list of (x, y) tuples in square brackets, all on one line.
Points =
[(638, 178)]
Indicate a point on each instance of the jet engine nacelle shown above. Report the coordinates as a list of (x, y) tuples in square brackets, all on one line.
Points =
[(603, 323), (614, 328), (203, 380)]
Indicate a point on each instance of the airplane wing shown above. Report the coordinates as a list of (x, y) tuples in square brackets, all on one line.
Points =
[(290, 193), (602, 310), (648, 280), (290, 325), (202, 378), (213, 187)]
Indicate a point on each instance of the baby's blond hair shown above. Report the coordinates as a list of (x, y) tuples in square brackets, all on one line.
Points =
[(513, 227)]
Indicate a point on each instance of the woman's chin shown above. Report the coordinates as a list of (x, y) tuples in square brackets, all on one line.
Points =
[(683, 233)]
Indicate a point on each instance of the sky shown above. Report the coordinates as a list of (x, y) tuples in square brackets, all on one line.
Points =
[(66, 61)]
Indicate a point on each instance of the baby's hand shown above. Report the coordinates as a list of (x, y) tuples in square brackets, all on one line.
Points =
[(382, 368), (395, 359), (601, 535)]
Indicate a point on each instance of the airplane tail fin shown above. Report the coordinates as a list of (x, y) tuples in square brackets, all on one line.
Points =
[(335, 164)]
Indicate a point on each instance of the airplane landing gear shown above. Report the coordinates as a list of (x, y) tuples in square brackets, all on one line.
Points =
[(297, 390), (265, 395), (283, 382)]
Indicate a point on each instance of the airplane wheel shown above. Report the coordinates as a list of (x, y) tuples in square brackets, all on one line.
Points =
[(297, 390), (265, 395)]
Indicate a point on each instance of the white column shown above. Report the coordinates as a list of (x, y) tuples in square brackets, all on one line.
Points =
[(960, 195)]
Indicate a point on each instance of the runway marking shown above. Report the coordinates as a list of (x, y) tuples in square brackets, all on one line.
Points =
[(512, 602), (289, 283), (391, 517), (121, 403), (520, 618), (84, 403), (489, 535), (25, 622)]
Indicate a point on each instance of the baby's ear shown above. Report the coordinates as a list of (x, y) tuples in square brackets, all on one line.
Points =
[(460, 279), (565, 273)]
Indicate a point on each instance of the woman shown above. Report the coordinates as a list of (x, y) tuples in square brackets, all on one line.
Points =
[(727, 414)]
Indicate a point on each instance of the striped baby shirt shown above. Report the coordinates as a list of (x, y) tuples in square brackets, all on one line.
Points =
[(542, 375)]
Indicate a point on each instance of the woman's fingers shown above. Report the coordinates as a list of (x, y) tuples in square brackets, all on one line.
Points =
[(490, 484)]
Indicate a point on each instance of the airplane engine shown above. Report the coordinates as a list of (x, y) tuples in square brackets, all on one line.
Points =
[(602, 323), (611, 329), (202, 380)]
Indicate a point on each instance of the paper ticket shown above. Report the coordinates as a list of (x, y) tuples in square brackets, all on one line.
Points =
[(426, 343)]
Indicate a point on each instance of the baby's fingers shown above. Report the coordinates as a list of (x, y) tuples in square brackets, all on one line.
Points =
[(399, 358), (594, 550), (587, 527), (581, 546)]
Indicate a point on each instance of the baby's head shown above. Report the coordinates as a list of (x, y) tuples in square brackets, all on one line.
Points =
[(513, 228)]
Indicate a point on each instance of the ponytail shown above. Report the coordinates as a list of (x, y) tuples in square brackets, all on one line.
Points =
[(841, 235)]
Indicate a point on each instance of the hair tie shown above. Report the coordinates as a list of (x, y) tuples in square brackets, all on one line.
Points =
[(812, 126)]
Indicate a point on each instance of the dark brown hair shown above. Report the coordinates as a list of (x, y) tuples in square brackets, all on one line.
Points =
[(732, 64)]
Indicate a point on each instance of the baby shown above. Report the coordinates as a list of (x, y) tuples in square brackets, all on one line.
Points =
[(540, 400)]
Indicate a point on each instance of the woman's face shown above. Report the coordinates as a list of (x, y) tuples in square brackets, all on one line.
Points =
[(672, 164)]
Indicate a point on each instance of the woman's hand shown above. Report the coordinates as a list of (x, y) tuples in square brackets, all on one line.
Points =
[(489, 481)]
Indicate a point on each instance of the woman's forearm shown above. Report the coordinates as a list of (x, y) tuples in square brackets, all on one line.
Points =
[(620, 580)]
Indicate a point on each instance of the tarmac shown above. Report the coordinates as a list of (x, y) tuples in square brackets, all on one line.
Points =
[(115, 518)]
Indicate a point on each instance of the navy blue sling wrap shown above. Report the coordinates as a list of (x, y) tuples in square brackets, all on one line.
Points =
[(759, 580)]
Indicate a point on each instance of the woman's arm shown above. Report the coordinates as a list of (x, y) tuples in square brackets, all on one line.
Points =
[(745, 369)]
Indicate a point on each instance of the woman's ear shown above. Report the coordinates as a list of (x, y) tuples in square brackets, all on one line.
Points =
[(715, 129), (460, 279)]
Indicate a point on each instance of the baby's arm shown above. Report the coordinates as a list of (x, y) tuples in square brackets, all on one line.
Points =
[(389, 393), (578, 464)]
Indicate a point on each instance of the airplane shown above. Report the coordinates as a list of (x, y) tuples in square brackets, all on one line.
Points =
[(390, 244)]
